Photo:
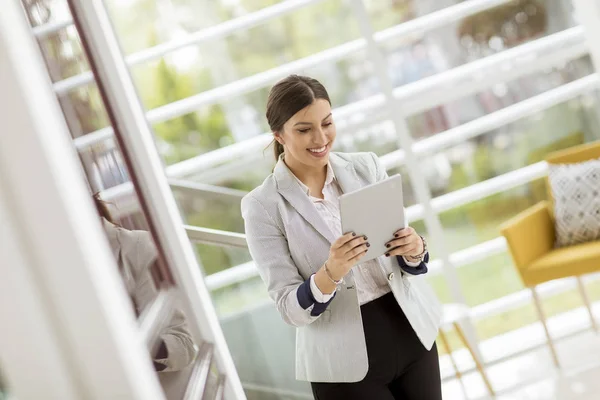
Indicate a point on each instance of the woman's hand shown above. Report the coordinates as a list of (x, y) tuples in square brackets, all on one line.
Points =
[(406, 242), (344, 253)]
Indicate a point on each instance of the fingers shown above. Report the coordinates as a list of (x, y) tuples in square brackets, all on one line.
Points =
[(406, 241), (362, 248), (342, 240), (403, 241), (354, 243), (404, 232), (358, 256), (402, 250)]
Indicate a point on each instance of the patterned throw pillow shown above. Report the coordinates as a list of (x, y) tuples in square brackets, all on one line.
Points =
[(576, 191)]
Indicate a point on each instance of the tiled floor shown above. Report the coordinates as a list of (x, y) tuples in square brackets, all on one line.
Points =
[(532, 376)]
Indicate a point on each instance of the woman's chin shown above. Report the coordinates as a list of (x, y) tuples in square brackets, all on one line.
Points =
[(318, 161)]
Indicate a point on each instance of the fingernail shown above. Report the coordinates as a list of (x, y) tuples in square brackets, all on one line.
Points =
[(387, 254), (368, 244), (366, 238), (353, 234), (387, 245), (396, 235)]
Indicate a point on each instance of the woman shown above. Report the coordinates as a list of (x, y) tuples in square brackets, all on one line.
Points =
[(135, 253), (364, 331)]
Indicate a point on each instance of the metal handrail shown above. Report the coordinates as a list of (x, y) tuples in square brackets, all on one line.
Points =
[(216, 237), (198, 381)]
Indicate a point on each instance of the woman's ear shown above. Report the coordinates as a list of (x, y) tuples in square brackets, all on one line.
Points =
[(278, 137)]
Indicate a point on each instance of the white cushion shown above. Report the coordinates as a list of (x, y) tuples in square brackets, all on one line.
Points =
[(576, 192)]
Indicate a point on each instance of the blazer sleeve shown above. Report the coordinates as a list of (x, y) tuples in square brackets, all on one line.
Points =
[(269, 249), (421, 268)]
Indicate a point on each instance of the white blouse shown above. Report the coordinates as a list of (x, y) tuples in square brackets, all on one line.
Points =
[(370, 281)]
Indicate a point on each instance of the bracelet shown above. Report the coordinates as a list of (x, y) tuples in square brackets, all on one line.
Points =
[(422, 255), (331, 277)]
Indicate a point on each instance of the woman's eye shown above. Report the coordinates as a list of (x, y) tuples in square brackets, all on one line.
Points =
[(303, 130), (328, 123)]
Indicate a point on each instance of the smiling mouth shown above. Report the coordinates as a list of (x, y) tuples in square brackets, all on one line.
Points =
[(320, 150)]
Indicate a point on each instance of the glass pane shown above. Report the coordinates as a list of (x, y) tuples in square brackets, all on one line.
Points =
[(64, 54), (489, 279), (305, 31), (216, 258), (142, 269), (64, 57), (485, 33), (437, 280), (502, 95), (387, 13), (514, 146), (210, 211), (262, 345), (137, 257), (263, 349), (526, 314), (234, 119), (479, 221), (46, 11), (187, 72)]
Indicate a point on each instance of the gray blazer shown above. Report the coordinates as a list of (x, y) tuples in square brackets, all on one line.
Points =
[(289, 242)]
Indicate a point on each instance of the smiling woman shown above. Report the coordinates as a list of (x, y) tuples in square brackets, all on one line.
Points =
[(375, 340)]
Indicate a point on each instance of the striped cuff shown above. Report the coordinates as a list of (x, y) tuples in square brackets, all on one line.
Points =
[(306, 299), (418, 270)]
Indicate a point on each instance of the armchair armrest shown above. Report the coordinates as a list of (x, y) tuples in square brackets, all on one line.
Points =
[(530, 234)]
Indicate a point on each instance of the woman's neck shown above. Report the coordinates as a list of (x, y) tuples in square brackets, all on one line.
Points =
[(313, 177)]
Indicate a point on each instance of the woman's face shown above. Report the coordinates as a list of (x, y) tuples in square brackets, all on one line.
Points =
[(308, 136)]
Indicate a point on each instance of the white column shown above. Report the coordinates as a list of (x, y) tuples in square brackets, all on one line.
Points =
[(137, 140), (68, 328), (31, 355), (405, 142)]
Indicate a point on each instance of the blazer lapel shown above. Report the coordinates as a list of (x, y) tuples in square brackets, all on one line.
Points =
[(344, 173), (289, 188)]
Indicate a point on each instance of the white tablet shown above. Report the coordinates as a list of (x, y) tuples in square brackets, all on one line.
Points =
[(377, 211)]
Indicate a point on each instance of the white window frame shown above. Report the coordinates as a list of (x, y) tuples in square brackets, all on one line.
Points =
[(59, 259)]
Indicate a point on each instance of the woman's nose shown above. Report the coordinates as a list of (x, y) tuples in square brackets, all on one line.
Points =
[(320, 136)]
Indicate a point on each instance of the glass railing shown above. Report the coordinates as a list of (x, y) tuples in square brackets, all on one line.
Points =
[(263, 346)]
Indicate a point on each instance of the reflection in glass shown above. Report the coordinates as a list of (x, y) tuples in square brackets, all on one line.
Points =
[(136, 257)]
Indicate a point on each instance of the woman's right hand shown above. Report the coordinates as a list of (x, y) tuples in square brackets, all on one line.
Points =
[(346, 252)]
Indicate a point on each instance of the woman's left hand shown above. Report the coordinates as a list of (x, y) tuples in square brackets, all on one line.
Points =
[(406, 242)]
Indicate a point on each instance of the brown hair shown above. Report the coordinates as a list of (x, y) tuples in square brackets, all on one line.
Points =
[(102, 208), (289, 96)]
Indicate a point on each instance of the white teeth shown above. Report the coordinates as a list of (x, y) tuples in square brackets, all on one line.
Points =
[(322, 149)]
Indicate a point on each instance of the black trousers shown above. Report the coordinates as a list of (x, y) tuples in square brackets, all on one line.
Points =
[(399, 366)]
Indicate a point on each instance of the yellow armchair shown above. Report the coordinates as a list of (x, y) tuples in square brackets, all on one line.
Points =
[(530, 237)]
